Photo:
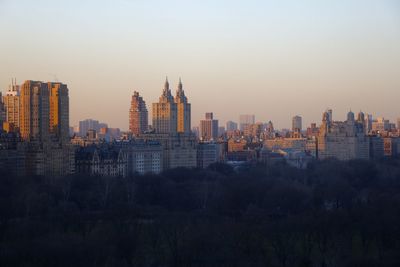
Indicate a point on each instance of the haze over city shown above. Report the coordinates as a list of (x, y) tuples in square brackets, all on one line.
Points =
[(274, 59)]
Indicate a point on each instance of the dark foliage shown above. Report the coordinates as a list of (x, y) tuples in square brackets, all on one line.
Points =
[(331, 214)]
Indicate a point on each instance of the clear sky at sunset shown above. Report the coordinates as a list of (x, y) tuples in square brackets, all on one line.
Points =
[(274, 59)]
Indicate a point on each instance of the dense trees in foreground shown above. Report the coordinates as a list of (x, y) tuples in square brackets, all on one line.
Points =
[(330, 214)]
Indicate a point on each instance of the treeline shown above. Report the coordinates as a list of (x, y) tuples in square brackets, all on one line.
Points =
[(330, 214)]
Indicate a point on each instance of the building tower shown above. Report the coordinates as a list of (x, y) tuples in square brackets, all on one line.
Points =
[(245, 120), (231, 126), (209, 128), (297, 124), (11, 103), (59, 112), (34, 111), (183, 110), (2, 113), (138, 115), (165, 112)]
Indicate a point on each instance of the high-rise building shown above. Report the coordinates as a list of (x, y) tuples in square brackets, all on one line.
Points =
[(183, 110), (398, 124), (368, 122), (59, 111), (34, 111), (11, 103), (2, 113), (138, 115), (296, 124), (165, 112), (330, 115), (90, 124), (209, 128), (245, 120), (231, 126)]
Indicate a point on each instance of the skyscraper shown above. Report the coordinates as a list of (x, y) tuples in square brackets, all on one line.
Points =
[(209, 128), (231, 126), (183, 110), (138, 115), (34, 111), (59, 111), (296, 124), (12, 106), (2, 113), (165, 112), (246, 120)]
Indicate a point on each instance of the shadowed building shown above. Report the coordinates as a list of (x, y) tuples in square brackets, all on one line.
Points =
[(59, 111)]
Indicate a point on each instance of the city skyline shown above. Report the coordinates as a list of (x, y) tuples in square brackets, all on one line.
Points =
[(273, 60)]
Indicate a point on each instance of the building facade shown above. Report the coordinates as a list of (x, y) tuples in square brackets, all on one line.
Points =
[(343, 140), (59, 111), (34, 111), (12, 106), (165, 112), (138, 115), (231, 126), (183, 110), (296, 123), (209, 128)]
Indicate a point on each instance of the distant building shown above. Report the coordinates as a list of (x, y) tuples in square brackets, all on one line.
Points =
[(391, 146), (59, 112), (34, 111), (296, 123), (231, 126), (2, 113), (295, 144), (179, 150), (138, 115), (376, 147), (245, 120), (108, 134), (398, 124), (209, 128), (380, 125), (106, 160), (207, 154), (11, 103), (90, 124), (312, 131), (235, 145), (342, 140), (183, 110), (221, 130), (165, 112), (142, 156), (254, 130)]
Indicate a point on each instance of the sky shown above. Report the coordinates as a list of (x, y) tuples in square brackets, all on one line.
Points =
[(274, 59)]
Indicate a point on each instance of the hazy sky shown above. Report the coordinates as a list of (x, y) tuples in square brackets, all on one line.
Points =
[(274, 59)]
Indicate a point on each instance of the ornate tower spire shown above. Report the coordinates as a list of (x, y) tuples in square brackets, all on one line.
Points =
[(180, 86), (166, 84)]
